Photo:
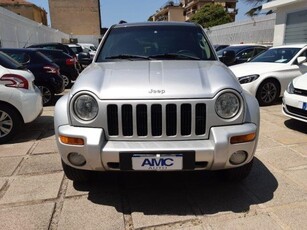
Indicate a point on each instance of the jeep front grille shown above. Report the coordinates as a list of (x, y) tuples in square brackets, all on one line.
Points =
[(156, 120)]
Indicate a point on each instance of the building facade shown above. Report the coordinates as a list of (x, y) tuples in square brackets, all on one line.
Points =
[(26, 9), (184, 10), (291, 21), (75, 17)]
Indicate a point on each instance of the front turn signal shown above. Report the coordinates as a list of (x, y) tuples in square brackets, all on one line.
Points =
[(71, 140), (243, 138)]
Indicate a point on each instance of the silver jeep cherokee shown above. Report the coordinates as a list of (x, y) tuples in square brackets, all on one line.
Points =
[(156, 98)]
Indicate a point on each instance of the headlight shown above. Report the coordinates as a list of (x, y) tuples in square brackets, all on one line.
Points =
[(227, 105), (290, 88), (85, 107), (248, 78)]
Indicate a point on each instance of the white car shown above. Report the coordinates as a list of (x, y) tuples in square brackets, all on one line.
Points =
[(268, 75), (88, 47), (20, 99), (295, 99)]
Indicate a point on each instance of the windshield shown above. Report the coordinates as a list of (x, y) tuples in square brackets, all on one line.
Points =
[(278, 55), (162, 42)]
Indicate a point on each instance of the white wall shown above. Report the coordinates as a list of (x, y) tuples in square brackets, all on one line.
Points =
[(254, 30), (281, 19), (17, 31)]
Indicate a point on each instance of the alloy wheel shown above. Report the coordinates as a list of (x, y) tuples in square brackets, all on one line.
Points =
[(66, 80), (6, 123), (47, 95), (268, 93)]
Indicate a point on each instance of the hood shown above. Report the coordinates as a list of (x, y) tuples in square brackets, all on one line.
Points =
[(156, 79), (300, 82), (249, 68)]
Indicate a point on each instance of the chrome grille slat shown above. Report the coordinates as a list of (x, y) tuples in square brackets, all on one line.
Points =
[(156, 120)]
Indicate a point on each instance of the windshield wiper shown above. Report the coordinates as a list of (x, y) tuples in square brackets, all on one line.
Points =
[(129, 57), (174, 56)]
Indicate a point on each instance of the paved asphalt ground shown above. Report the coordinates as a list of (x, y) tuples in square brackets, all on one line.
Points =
[(35, 194)]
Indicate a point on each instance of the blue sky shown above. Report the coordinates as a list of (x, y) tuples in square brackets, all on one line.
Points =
[(112, 11)]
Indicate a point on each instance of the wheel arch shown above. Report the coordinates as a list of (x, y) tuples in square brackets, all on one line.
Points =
[(14, 108), (268, 78)]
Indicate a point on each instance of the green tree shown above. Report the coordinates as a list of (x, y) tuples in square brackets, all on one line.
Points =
[(211, 15)]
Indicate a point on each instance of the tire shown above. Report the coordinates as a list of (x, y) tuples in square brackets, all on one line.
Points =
[(10, 122), (67, 81), (48, 94), (74, 174), (268, 92), (237, 174)]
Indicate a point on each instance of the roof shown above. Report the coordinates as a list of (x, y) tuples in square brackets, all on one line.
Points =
[(299, 45), (160, 23), (15, 2)]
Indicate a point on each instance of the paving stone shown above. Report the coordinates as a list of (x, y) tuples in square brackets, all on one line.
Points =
[(293, 216), (262, 221), (282, 158), (101, 212), (27, 135), (26, 217), (272, 189), (266, 142), (8, 165), (46, 146), (266, 128), (18, 149), (2, 183), (299, 176), (221, 197), (101, 182), (48, 135), (46, 163), (30, 188), (289, 137), (150, 209), (301, 148)]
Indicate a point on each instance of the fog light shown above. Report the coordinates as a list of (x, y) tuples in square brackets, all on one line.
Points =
[(238, 157), (76, 159)]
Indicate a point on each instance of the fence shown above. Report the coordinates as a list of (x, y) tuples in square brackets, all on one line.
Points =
[(254, 30), (17, 31)]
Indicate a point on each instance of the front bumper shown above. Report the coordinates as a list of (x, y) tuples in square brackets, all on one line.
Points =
[(210, 154)]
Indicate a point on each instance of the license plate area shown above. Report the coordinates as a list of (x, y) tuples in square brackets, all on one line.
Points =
[(157, 161), (303, 105)]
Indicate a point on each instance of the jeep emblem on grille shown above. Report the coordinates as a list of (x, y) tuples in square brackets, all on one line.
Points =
[(161, 91)]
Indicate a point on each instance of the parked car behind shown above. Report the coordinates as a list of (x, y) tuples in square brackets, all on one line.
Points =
[(219, 47), (46, 72), (67, 64), (243, 52), (156, 98), (88, 47), (295, 99), (268, 75), (83, 55), (59, 46), (20, 99)]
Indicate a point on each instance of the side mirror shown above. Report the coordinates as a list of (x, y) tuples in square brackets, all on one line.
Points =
[(301, 60), (229, 57)]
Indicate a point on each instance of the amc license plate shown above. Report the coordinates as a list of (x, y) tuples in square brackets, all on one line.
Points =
[(157, 162), (304, 105)]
